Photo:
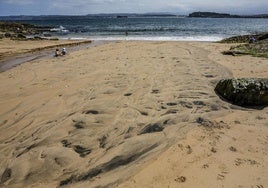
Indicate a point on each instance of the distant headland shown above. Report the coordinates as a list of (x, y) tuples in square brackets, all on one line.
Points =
[(223, 15), (130, 15), (88, 16)]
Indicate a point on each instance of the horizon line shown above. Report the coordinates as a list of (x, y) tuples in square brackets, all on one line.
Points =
[(146, 13)]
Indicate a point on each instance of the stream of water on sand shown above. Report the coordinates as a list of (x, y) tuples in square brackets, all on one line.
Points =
[(43, 54)]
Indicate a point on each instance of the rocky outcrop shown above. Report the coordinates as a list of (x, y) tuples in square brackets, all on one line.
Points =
[(20, 30), (259, 48), (244, 91), (245, 38)]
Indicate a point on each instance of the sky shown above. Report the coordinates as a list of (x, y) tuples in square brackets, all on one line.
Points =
[(83, 7)]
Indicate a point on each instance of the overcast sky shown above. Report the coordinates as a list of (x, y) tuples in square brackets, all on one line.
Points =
[(82, 7)]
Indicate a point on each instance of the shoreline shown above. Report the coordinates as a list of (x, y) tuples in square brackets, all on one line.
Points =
[(9, 60), (131, 114), (151, 38)]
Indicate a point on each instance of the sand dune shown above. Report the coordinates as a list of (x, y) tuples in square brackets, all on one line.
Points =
[(128, 114)]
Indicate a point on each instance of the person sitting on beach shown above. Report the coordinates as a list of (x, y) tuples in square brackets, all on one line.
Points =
[(251, 39), (57, 52), (63, 51)]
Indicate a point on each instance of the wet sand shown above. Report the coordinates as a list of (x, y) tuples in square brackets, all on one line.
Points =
[(14, 52), (131, 114)]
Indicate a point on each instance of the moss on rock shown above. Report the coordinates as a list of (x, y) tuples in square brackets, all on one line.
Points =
[(244, 91)]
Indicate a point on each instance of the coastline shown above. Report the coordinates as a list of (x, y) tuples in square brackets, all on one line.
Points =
[(125, 114)]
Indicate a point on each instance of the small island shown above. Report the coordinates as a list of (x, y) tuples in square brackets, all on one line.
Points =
[(223, 15)]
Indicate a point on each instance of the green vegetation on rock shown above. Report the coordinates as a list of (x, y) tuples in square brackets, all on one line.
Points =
[(19, 31), (259, 48), (244, 91)]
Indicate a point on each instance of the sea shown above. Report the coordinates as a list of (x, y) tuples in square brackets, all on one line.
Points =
[(151, 28)]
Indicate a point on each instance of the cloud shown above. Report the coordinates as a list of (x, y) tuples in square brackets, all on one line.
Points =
[(81, 7), (95, 6), (19, 2), (225, 5), (178, 6)]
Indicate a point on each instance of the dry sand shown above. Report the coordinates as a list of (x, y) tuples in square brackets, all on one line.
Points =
[(131, 114)]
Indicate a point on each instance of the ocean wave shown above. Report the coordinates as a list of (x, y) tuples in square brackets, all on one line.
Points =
[(130, 30), (149, 38), (60, 29)]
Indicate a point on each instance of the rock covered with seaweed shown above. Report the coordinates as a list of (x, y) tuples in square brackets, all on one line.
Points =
[(258, 48), (15, 30), (244, 91)]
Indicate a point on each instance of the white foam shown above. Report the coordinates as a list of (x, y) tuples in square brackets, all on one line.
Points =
[(152, 38), (59, 29)]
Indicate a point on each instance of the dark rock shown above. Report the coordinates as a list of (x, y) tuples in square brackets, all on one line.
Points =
[(39, 38), (233, 149), (152, 128), (53, 39), (66, 143), (238, 39), (213, 150), (95, 112), (102, 141), (245, 38), (8, 35), (21, 36), (181, 179), (47, 35), (20, 30), (127, 94), (244, 91), (199, 103), (144, 113), (262, 36), (171, 103), (79, 124), (155, 91), (81, 150)]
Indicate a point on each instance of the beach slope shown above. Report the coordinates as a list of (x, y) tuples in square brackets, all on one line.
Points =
[(131, 114)]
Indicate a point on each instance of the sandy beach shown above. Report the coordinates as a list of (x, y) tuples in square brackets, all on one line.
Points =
[(130, 114)]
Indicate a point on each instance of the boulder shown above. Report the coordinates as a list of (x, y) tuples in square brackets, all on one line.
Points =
[(21, 36), (151, 128), (244, 91), (47, 35), (245, 38), (8, 35)]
